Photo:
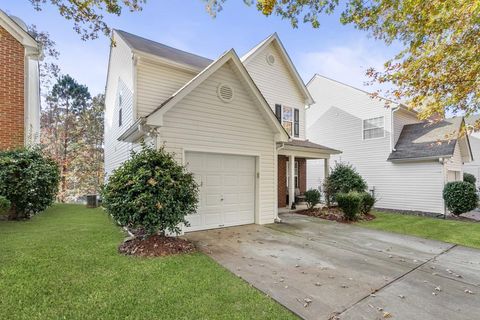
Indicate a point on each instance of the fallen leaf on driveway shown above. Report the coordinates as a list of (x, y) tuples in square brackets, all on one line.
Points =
[(468, 291), (387, 315)]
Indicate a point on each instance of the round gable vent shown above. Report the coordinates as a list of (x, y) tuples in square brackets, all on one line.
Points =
[(270, 59), (225, 92)]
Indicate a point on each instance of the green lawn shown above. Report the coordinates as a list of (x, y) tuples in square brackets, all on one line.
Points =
[(459, 232), (63, 264)]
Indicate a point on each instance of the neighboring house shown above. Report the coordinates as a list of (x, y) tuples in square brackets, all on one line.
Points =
[(19, 84), (474, 137), (405, 162), (232, 121)]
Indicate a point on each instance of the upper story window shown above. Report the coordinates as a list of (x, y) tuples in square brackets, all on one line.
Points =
[(374, 128), (120, 117), (120, 104), (290, 119)]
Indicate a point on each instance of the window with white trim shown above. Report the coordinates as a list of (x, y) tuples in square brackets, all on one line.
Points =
[(295, 177), (289, 118), (373, 128)]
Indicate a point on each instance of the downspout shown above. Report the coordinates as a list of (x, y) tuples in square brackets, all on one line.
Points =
[(444, 173), (392, 130)]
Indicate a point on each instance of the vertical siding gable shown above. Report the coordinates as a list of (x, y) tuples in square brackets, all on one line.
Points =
[(277, 83), (203, 122)]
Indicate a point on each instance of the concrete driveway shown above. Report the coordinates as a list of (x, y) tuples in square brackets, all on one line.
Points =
[(326, 270)]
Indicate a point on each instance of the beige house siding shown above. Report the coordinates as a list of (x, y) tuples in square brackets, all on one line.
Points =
[(156, 82), (202, 122), (455, 164), (276, 82)]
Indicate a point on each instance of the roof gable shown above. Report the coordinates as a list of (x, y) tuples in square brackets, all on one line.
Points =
[(275, 40), (18, 32), (157, 115)]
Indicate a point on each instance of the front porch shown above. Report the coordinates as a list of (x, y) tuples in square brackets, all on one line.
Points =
[(292, 168)]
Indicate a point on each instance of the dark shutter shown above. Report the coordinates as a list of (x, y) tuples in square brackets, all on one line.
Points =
[(278, 112), (296, 122), (120, 117)]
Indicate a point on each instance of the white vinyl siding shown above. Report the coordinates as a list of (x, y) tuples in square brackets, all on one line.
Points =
[(120, 79), (474, 166), (156, 83), (336, 121), (277, 84), (203, 122), (400, 119)]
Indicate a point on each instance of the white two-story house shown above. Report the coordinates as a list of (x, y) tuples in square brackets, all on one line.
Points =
[(237, 123), (406, 162)]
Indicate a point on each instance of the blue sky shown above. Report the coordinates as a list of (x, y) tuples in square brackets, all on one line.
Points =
[(337, 51)]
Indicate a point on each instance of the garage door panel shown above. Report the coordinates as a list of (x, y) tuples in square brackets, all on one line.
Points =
[(213, 180), (227, 190)]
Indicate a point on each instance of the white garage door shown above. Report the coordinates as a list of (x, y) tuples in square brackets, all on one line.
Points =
[(227, 190)]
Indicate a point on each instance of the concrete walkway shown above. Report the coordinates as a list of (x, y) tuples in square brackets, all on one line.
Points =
[(326, 270)]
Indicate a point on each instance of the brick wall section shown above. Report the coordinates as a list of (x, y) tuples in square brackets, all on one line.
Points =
[(282, 181), (12, 118), (282, 178), (302, 174)]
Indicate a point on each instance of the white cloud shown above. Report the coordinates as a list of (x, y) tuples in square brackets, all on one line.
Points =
[(347, 64)]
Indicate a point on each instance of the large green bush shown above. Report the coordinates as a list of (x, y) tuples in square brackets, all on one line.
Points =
[(367, 203), (29, 180), (312, 198), (470, 178), (460, 197), (5, 205), (151, 191), (343, 178), (350, 204)]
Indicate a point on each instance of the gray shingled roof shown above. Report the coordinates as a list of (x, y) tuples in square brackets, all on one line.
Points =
[(164, 51), (427, 140), (308, 144)]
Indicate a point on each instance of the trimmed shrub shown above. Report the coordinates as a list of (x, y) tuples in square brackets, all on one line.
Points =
[(312, 197), (343, 178), (4, 205), (470, 178), (29, 180), (152, 192), (350, 204), (460, 197), (368, 201)]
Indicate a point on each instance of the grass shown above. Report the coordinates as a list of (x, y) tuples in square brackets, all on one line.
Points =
[(458, 232), (64, 264)]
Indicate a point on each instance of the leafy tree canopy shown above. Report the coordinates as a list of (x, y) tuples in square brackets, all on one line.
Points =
[(437, 72), (87, 17)]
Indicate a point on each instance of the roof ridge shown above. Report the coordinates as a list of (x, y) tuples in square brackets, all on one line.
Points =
[(123, 32)]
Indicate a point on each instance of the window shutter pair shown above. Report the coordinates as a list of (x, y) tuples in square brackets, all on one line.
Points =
[(296, 123)]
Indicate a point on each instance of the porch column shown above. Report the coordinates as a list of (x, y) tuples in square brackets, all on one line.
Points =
[(326, 168), (291, 180)]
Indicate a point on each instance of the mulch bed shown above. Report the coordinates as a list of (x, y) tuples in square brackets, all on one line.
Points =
[(156, 246), (332, 214)]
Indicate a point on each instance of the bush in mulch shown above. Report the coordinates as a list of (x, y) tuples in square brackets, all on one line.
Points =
[(333, 214), (155, 246)]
